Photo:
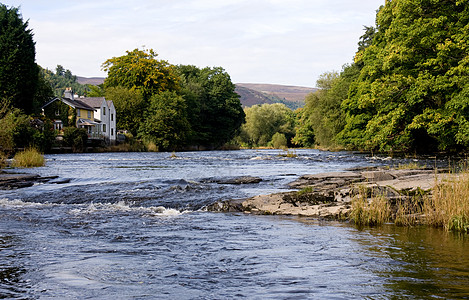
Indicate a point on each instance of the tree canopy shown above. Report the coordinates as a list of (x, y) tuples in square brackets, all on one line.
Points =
[(264, 121), (18, 69), (140, 69), (413, 87), (214, 109)]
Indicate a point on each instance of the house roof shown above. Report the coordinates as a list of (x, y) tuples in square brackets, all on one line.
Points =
[(95, 102), (72, 103)]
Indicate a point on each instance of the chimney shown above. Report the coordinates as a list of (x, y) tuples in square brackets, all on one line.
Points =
[(68, 93)]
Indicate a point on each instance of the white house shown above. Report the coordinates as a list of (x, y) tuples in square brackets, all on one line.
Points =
[(105, 115)]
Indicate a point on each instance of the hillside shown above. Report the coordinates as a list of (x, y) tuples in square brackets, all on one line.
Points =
[(91, 80), (251, 93), (287, 92)]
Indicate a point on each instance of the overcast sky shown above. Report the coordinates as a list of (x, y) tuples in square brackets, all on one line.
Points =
[(287, 42)]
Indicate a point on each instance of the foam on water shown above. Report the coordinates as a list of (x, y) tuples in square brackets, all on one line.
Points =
[(17, 203), (124, 207)]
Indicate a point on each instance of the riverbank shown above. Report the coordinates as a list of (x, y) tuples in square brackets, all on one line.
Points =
[(331, 195)]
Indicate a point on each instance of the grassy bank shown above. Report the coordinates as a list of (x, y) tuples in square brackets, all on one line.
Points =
[(28, 158), (446, 207)]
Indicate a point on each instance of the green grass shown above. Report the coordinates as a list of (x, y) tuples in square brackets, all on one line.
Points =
[(372, 211), (29, 158), (448, 207)]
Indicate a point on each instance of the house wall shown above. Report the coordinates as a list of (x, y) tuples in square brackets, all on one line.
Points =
[(112, 123), (83, 114), (60, 111)]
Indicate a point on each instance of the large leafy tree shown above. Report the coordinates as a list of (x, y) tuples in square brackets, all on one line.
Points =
[(130, 107), (18, 69), (214, 109), (166, 122), (140, 70), (266, 120), (413, 88)]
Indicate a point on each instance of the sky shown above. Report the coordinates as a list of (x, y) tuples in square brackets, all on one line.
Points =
[(290, 42)]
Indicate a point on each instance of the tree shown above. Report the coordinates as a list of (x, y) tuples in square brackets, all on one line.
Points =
[(130, 108), (411, 93), (214, 109), (18, 69), (322, 117), (140, 70), (264, 121), (166, 122), (63, 79)]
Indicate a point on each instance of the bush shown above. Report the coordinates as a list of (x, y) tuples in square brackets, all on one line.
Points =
[(75, 138), (279, 141), (28, 158)]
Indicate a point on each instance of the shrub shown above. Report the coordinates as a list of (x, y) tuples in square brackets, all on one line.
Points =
[(28, 158), (76, 138), (279, 141)]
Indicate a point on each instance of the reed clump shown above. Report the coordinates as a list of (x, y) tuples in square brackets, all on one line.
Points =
[(409, 212), (370, 211), (28, 158), (448, 207)]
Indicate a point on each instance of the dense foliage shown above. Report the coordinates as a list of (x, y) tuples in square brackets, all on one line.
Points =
[(18, 69), (22, 88), (172, 106), (408, 88), (130, 107), (140, 70), (165, 122), (266, 121), (412, 90), (214, 109)]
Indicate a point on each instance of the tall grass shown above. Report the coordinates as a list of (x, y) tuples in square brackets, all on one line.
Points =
[(372, 211), (28, 158), (449, 205)]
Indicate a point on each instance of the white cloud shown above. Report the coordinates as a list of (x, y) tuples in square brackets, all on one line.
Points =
[(271, 41)]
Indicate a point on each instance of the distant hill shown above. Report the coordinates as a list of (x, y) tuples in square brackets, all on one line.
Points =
[(253, 93), (91, 80)]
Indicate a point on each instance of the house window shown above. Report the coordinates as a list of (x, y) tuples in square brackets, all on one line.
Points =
[(78, 113), (104, 127), (112, 131), (89, 114), (104, 111), (57, 112), (112, 117)]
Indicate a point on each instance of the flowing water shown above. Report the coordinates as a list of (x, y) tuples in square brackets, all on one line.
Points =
[(133, 226)]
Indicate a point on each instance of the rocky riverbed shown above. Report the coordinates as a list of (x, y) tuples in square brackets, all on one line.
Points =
[(10, 181), (329, 195)]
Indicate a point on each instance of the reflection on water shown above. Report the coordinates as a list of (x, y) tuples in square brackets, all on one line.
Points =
[(422, 263)]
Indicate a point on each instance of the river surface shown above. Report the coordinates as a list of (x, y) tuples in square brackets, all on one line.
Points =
[(133, 226)]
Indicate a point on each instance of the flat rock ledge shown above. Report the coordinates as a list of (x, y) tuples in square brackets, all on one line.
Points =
[(11, 181), (329, 195)]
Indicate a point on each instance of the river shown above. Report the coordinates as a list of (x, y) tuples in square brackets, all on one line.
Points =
[(133, 226)]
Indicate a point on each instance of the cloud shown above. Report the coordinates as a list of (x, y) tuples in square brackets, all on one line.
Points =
[(271, 41)]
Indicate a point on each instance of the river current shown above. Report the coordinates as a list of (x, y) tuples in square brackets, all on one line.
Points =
[(133, 226)]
